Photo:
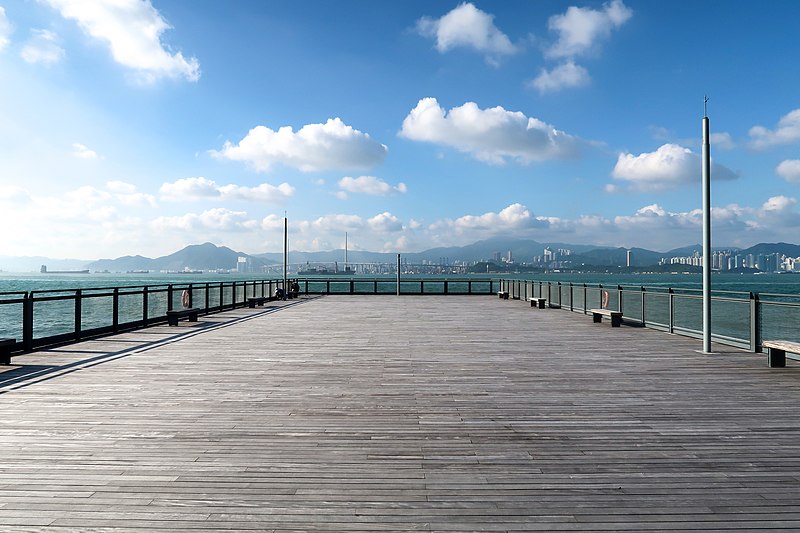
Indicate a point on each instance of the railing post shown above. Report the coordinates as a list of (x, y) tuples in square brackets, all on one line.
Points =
[(208, 297), (145, 305), (585, 302), (755, 323), (421, 287), (643, 320), (191, 295), (78, 303), (327, 286), (169, 297), (352, 287), (619, 298), (446, 289), (491, 286), (469, 287), (671, 311), (375, 287), (221, 296), (115, 310), (570, 296), (27, 322)]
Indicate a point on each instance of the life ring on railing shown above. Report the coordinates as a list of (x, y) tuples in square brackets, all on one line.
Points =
[(185, 298), (605, 300)]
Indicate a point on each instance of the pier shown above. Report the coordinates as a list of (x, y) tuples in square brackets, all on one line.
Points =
[(394, 413)]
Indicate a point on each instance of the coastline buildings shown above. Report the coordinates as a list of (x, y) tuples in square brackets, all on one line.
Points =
[(727, 260)]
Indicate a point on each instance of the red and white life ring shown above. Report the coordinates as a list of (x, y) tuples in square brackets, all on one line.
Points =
[(185, 298), (605, 300)]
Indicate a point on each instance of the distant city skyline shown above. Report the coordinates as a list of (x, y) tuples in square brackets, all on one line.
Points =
[(139, 127)]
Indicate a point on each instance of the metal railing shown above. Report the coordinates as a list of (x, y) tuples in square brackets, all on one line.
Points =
[(49, 317), (419, 286), (740, 319)]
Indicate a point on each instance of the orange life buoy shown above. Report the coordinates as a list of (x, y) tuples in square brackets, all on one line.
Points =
[(185, 298)]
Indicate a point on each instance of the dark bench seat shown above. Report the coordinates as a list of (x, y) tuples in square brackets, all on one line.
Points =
[(176, 314), (541, 303), (776, 351), (5, 350), (257, 300), (615, 316), (503, 295)]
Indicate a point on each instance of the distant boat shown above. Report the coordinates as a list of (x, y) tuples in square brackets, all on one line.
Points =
[(44, 270)]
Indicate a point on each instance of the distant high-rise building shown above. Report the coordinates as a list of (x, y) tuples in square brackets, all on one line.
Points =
[(509, 257), (242, 265)]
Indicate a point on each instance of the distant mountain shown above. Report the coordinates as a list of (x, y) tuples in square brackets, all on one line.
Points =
[(617, 257), (790, 250), (521, 250), (211, 257), (195, 257)]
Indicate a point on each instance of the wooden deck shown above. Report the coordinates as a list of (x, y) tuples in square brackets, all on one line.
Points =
[(391, 413)]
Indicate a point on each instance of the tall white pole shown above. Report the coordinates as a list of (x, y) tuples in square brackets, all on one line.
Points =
[(285, 254), (706, 157), (398, 274)]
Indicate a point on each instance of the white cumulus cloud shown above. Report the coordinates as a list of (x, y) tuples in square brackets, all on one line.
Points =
[(580, 28), (199, 188), (722, 140), (666, 168), (126, 194), (338, 223), (314, 147), (466, 26), (563, 76), (491, 135), (217, 219), (83, 152), (42, 48), (385, 223), (370, 185), (515, 217), (132, 30), (787, 132), (789, 170), (5, 29)]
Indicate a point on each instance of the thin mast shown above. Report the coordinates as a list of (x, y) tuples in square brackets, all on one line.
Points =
[(706, 178)]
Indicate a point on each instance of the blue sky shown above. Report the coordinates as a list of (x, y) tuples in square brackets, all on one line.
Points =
[(139, 127)]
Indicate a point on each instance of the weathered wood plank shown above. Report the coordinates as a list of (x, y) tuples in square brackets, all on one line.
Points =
[(384, 413)]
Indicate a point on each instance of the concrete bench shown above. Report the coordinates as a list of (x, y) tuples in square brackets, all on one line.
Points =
[(177, 314), (615, 316), (541, 303), (257, 300), (5, 350), (776, 351), (503, 295)]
